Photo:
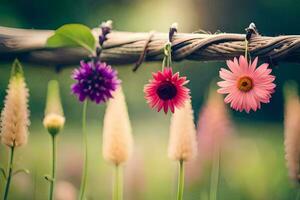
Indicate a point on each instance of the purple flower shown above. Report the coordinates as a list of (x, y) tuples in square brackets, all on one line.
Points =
[(95, 80)]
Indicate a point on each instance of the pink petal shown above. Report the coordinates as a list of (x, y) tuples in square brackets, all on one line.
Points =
[(224, 90), (253, 65), (227, 75), (225, 83), (262, 69), (234, 67), (243, 64)]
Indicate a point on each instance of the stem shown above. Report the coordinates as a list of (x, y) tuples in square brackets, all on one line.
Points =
[(246, 49), (215, 173), (298, 194), (85, 166), (53, 175), (9, 174), (118, 184), (180, 180), (168, 56)]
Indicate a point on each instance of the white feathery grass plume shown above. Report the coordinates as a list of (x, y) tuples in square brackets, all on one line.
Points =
[(215, 127), (182, 141), (292, 130), (214, 132), (15, 114), (117, 136), (54, 119)]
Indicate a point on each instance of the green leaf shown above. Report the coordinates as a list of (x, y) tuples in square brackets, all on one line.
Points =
[(25, 171), (2, 171), (73, 35)]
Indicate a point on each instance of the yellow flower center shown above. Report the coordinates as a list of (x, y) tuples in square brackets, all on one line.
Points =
[(245, 84)]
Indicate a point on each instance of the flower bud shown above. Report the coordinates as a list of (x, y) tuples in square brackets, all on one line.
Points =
[(54, 119), (54, 123)]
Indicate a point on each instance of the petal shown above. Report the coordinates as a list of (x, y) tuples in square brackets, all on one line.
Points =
[(172, 107), (160, 76), (175, 77), (243, 64), (160, 106), (253, 65), (261, 69), (225, 83), (233, 66), (228, 98), (227, 75), (168, 72), (225, 90), (166, 107), (251, 100)]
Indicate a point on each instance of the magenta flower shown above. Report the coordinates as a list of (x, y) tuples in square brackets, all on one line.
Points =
[(166, 90), (95, 80), (246, 85)]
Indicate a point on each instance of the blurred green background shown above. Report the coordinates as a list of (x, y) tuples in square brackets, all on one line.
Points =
[(255, 169)]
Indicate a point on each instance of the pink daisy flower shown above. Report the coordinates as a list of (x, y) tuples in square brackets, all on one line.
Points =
[(246, 85), (166, 90)]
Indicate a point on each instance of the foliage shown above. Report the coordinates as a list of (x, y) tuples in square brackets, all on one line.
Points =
[(72, 35)]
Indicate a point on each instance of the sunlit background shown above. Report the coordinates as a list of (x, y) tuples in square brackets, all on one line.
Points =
[(252, 168)]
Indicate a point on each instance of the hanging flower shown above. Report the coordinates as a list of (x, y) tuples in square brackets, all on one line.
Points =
[(95, 80), (166, 90), (246, 84)]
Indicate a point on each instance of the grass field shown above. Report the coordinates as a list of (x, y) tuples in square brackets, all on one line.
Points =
[(253, 166)]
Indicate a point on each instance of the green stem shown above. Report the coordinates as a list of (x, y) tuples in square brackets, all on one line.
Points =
[(167, 61), (215, 173), (118, 184), (298, 194), (180, 180), (85, 165), (53, 175), (9, 173)]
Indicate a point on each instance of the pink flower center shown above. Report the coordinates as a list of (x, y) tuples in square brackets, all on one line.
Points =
[(166, 90), (245, 84)]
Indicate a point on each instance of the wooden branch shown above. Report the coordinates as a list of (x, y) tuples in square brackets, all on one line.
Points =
[(126, 47)]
